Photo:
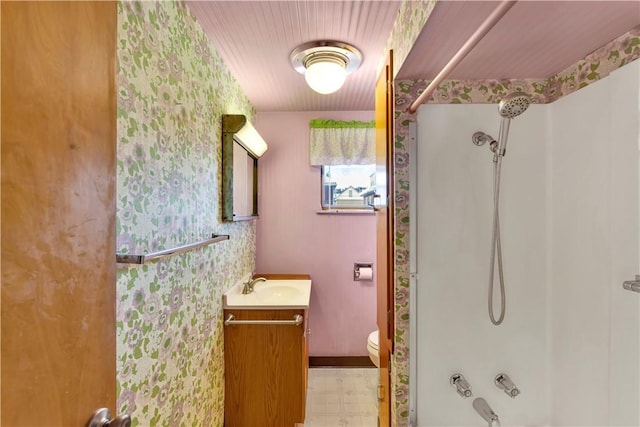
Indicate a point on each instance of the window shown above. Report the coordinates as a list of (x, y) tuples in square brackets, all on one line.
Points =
[(348, 186), (346, 153)]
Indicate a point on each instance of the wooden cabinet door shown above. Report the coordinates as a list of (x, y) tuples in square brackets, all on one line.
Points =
[(58, 212), (264, 370), (384, 234)]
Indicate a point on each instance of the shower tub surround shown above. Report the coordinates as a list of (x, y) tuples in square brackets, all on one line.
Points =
[(596, 66), (570, 226)]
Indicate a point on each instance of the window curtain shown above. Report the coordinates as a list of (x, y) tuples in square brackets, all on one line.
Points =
[(334, 142)]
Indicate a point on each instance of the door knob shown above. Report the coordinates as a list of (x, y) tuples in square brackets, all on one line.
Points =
[(102, 418)]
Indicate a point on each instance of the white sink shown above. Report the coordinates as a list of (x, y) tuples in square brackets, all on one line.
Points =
[(272, 294)]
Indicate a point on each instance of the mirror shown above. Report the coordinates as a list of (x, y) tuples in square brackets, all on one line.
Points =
[(241, 148), (244, 185)]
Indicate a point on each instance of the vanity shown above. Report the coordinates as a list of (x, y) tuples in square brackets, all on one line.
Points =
[(265, 352)]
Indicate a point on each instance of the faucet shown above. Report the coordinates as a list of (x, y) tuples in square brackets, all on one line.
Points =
[(503, 382), (248, 286), (462, 386), (482, 407)]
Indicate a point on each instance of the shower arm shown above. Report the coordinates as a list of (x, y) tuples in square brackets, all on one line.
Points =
[(467, 47)]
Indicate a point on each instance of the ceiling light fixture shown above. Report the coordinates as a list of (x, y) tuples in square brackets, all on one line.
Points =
[(325, 64)]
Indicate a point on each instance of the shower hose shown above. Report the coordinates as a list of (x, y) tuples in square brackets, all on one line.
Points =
[(495, 246)]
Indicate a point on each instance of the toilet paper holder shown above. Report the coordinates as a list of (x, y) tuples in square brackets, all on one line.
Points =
[(359, 269)]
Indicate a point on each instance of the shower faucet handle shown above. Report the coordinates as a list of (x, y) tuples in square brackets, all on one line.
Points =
[(462, 386), (632, 285), (503, 382)]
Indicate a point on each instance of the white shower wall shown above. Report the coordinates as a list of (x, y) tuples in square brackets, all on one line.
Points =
[(454, 232), (570, 235), (594, 248)]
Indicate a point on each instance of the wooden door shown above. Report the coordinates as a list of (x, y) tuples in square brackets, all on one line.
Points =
[(384, 234), (58, 212)]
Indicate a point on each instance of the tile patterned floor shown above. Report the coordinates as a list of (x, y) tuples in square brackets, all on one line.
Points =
[(342, 397)]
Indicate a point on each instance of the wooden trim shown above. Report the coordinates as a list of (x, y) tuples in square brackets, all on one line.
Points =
[(340, 362), (385, 236)]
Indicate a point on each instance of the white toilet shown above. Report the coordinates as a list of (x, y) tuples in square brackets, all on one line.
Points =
[(372, 347)]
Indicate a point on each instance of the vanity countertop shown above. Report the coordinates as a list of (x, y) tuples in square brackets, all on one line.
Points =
[(270, 294)]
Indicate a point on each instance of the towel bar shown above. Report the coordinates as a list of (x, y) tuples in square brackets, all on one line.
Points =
[(143, 259), (231, 320)]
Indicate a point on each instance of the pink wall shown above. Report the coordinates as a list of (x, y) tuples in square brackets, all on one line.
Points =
[(292, 238)]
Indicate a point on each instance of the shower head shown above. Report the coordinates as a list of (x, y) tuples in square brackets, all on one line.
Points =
[(514, 104)]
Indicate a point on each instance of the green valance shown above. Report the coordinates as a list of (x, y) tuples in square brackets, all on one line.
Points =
[(319, 123), (335, 142)]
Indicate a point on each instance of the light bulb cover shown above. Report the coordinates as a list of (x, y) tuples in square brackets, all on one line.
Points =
[(325, 73), (325, 64), (251, 140)]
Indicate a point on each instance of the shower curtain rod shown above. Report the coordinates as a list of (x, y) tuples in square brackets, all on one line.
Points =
[(482, 31)]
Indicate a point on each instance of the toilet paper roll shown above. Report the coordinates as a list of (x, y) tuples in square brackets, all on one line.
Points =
[(366, 273)]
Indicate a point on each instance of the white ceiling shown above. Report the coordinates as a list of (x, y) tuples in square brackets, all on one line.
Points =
[(535, 39), (255, 39)]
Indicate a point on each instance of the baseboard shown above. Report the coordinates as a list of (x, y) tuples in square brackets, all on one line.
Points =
[(340, 362)]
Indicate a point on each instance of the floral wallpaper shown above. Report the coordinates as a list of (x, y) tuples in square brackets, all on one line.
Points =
[(172, 90), (594, 67), (412, 16), (400, 362)]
